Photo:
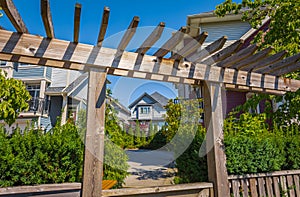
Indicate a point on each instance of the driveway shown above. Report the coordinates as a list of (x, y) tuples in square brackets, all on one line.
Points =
[(149, 168)]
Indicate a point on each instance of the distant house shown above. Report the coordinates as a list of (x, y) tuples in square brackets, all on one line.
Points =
[(148, 108), (122, 112)]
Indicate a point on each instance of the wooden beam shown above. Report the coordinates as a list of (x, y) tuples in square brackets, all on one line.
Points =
[(213, 120), (152, 39), (103, 27), (224, 53), (213, 47), (171, 43), (64, 54), (252, 59), (13, 15), (128, 34), (190, 47), (278, 65), (266, 61), (242, 54), (47, 19), (94, 137), (77, 22), (286, 70)]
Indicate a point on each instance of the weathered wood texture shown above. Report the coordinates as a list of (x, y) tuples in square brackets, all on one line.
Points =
[(13, 15), (94, 138), (276, 184), (47, 18), (73, 190), (103, 26), (77, 14), (213, 119), (63, 54)]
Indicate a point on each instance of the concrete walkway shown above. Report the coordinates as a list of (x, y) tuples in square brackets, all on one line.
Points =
[(150, 168)]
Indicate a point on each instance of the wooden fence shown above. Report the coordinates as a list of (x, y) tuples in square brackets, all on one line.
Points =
[(275, 184), (73, 190)]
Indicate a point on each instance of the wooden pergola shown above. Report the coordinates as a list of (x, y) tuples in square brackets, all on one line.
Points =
[(234, 67)]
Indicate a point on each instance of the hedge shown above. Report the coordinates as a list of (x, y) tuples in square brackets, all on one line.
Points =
[(31, 157)]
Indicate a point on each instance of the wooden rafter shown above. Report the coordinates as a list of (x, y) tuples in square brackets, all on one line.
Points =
[(278, 65), (77, 22), (13, 15), (224, 53), (47, 19), (56, 53), (265, 62), (103, 26), (128, 34), (170, 44), (190, 47), (252, 59), (242, 54), (152, 39), (213, 47), (286, 70)]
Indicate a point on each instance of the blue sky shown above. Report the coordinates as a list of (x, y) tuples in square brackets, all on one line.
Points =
[(172, 12)]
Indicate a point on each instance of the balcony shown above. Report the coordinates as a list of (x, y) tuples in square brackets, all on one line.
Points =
[(38, 106)]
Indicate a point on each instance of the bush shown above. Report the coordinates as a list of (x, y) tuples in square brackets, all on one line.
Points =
[(31, 157)]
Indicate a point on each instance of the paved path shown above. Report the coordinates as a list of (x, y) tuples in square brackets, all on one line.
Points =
[(149, 168)]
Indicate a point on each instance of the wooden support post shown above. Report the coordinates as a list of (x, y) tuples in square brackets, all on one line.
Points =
[(213, 117), (94, 137)]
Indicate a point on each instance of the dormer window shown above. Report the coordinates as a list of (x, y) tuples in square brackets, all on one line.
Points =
[(145, 110)]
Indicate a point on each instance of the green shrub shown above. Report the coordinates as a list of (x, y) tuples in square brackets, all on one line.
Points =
[(32, 157), (191, 167)]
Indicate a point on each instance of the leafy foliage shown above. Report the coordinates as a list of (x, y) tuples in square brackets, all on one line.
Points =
[(283, 33), (32, 157), (13, 98)]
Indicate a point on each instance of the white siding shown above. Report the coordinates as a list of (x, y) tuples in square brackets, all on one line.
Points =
[(62, 77), (232, 29)]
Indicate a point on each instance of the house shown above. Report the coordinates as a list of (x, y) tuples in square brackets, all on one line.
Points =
[(231, 26), (148, 108), (55, 93)]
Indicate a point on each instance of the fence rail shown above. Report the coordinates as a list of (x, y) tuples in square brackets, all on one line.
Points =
[(73, 190), (275, 184)]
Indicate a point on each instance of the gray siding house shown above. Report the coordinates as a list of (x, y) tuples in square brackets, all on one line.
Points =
[(148, 108)]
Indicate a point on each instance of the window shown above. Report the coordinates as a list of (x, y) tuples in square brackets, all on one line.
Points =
[(34, 90), (2, 63), (145, 110)]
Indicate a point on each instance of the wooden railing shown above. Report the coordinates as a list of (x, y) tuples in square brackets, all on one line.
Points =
[(277, 184), (73, 190)]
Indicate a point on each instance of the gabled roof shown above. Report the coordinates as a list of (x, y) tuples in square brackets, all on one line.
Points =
[(155, 97)]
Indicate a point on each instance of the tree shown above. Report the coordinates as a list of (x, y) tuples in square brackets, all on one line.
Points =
[(284, 29), (13, 98)]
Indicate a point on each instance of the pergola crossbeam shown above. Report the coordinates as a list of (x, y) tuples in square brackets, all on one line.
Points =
[(224, 53), (47, 19), (77, 22), (13, 15), (208, 50), (190, 47), (239, 56), (58, 53), (151, 39), (103, 26), (278, 65), (128, 34), (170, 44), (265, 62), (252, 59), (286, 70)]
